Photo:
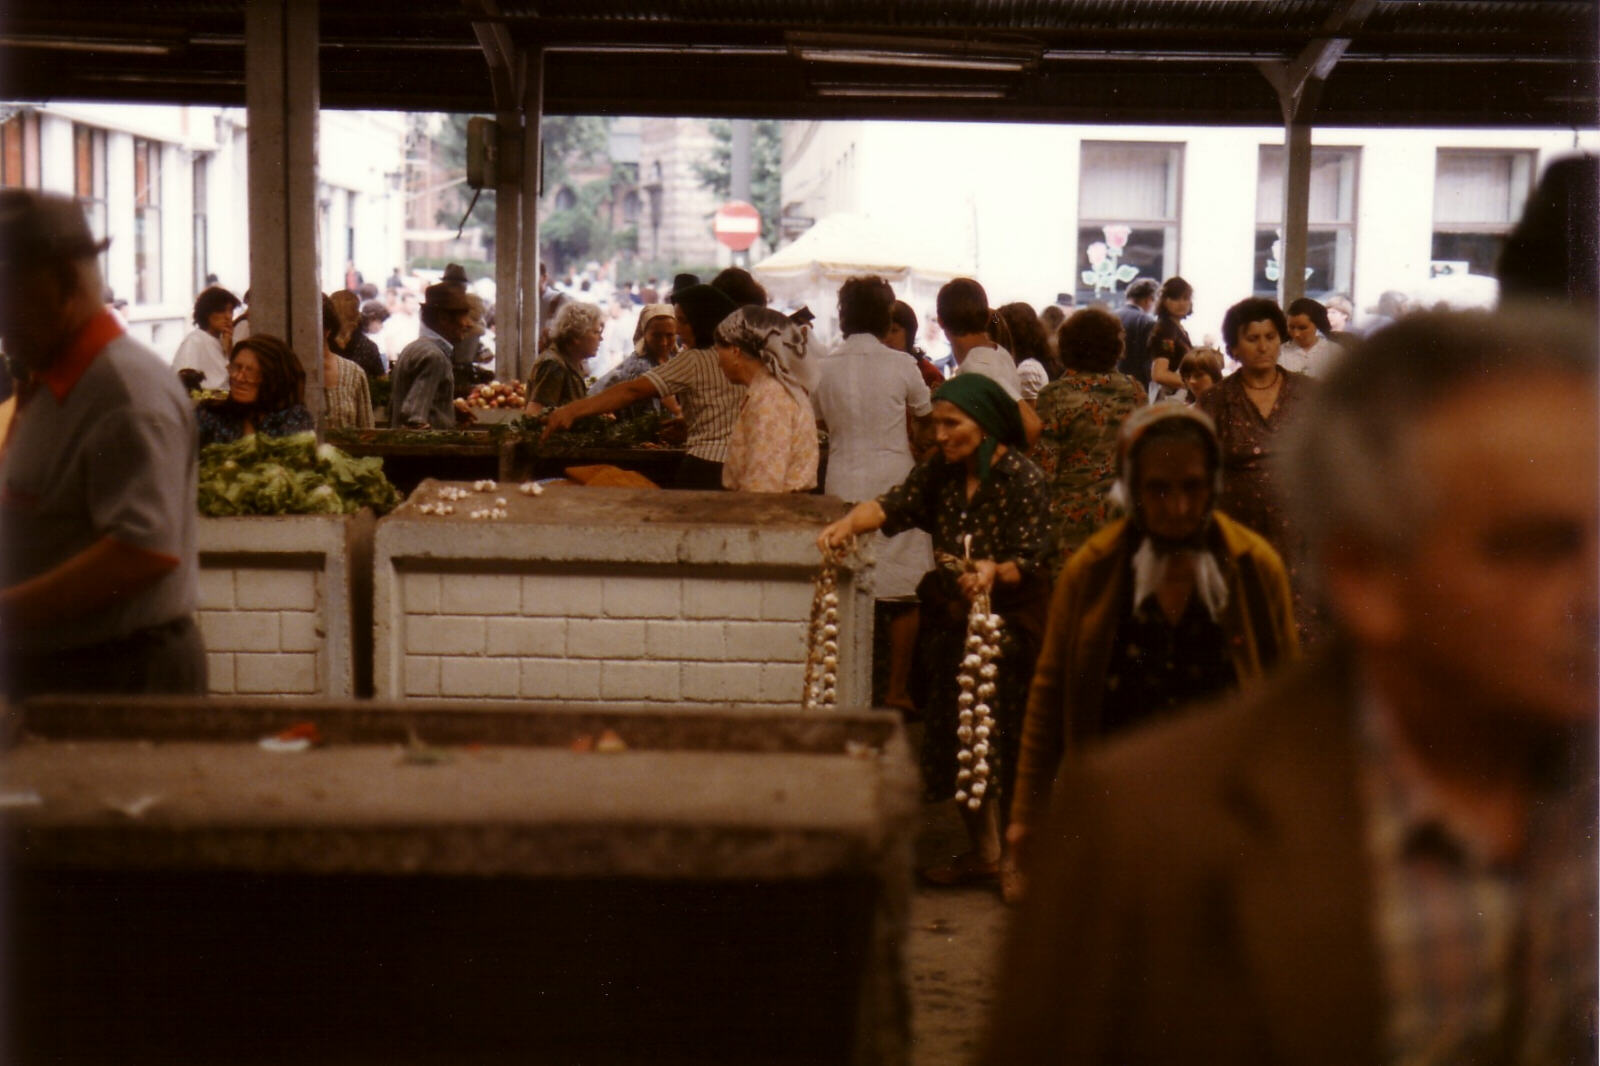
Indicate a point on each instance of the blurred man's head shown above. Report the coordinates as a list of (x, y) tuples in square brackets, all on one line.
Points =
[(1446, 478), (50, 283)]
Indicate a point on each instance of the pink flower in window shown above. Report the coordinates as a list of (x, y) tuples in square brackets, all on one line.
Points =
[(1097, 253), (1117, 236)]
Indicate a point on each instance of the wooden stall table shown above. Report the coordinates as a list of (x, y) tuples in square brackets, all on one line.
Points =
[(450, 885), (411, 455)]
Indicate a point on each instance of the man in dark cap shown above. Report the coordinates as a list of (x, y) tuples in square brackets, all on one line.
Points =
[(99, 572), (423, 383)]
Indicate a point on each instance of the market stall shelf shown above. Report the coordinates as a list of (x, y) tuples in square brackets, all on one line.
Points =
[(285, 604), (584, 594), (422, 883)]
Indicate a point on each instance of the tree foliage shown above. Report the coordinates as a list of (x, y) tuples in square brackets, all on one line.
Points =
[(766, 169)]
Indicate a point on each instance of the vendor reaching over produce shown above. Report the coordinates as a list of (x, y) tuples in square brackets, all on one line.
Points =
[(266, 394), (557, 376), (695, 378), (422, 395), (99, 573)]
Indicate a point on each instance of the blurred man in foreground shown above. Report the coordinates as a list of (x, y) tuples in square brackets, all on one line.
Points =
[(98, 568), (1388, 855)]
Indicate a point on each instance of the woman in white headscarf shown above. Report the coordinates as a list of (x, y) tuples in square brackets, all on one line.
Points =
[(773, 447)]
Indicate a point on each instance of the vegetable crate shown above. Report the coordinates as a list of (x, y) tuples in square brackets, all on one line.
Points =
[(232, 881)]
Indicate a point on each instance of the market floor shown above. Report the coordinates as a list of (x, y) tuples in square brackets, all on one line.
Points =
[(956, 934)]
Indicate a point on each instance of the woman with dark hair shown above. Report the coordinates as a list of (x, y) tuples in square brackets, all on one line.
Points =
[(902, 337), (266, 394), (206, 346), (346, 399), (1169, 342), (1079, 414), (1251, 408), (1028, 348), (352, 341), (1313, 351), (981, 342), (773, 446), (984, 503), (870, 396)]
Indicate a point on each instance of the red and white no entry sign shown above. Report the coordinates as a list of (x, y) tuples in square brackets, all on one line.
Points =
[(737, 225)]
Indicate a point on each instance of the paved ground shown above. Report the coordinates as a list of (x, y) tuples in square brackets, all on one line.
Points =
[(955, 933)]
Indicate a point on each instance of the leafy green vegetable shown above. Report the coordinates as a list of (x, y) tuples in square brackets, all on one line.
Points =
[(289, 475), (596, 431)]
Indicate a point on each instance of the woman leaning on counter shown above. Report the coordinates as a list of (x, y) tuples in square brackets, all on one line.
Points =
[(773, 447)]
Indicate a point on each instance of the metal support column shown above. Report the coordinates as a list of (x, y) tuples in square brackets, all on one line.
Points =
[(282, 95), (1296, 210), (508, 255), (507, 76), (1299, 84), (532, 188)]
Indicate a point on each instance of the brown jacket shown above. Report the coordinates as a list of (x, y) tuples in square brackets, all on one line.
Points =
[(1069, 680), (1204, 895)]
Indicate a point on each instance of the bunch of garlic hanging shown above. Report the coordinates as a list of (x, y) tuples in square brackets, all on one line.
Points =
[(975, 719), (822, 639)]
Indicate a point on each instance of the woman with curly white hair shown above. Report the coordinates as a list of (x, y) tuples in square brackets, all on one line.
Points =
[(773, 447), (557, 376)]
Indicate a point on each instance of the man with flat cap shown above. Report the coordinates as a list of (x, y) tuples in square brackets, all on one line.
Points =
[(98, 570), (423, 385)]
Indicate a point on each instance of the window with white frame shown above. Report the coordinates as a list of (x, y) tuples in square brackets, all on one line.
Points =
[(89, 178), (1128, 196), (1477, 197), (146, 221), (1330, 221)]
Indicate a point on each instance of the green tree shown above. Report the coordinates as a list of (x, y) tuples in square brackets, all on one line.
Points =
[(567, 141), (766, 169), (570, 236), (448, 134)]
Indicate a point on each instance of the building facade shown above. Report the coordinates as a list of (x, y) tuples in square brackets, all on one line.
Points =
[(1042, 210), (169, 185)]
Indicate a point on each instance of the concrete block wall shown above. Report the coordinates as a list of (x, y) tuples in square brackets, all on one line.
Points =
[(599, 596), (276, 605)]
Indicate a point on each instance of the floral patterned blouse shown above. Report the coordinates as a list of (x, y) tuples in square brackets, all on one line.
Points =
[(223, 423), (1008, 517), (1080, 413), (348, 401), (1249, 493), (773, 447)]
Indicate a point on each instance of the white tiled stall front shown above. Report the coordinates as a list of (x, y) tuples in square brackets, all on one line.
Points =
[(275, 603), (607, 595)]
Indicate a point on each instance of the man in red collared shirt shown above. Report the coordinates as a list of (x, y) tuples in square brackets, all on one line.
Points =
[(98, 568)]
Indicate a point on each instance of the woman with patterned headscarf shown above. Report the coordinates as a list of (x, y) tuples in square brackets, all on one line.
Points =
[(773, 447), (986, 506), (1164, 608)]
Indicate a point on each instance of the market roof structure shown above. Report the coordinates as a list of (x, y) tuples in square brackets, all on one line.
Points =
[(1388, 62)]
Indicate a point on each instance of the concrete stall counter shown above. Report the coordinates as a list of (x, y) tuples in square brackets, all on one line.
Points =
[(285, 604), (586, 595), (440, 884)]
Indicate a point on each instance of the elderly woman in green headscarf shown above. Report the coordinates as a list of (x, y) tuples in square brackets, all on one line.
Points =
[(985, 504)]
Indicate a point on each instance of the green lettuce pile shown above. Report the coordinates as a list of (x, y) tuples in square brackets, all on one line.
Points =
[(258, 475)]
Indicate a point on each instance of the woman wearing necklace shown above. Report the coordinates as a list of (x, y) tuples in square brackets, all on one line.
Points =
[(1251, 408)]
